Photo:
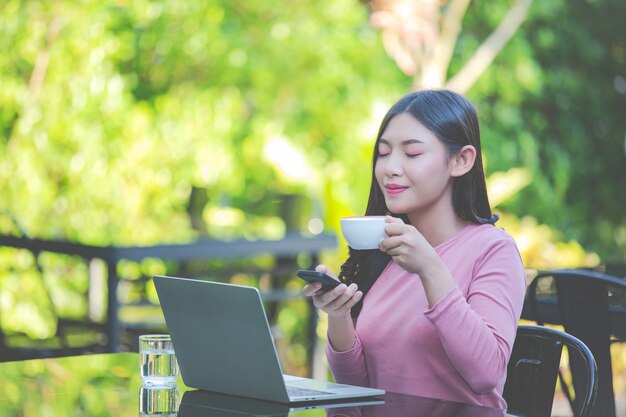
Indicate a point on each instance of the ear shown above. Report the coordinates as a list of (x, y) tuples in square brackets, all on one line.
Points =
[(463, 161)]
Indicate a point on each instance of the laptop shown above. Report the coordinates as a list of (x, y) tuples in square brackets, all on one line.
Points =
[(223, 344)]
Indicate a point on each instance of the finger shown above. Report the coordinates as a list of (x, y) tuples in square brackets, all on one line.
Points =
[(322, 299), (355, 299), (343, 298), (390, 243), (394, 229), (391, 220), (347, 306), (325, 270), (311, 289)]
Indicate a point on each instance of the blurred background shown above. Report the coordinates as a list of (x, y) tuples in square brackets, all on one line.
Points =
[(137, 123)]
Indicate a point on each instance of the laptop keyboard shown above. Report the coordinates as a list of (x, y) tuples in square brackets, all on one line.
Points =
[(301, 392)]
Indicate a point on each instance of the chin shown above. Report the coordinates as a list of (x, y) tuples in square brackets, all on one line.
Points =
[(397, 209)]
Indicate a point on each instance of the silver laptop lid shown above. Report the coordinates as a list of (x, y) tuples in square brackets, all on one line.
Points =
[(229, 353)]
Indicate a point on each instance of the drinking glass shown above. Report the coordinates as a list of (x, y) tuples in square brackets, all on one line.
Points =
[(157, 361)]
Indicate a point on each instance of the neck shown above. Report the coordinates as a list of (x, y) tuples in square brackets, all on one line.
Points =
[(438, 223)]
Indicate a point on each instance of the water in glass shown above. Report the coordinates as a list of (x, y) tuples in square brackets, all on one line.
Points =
[(158, 366)]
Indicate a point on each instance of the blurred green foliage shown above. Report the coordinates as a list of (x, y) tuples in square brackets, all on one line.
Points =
[(112, 116), (554, 102), (150, 121), (142, 122)]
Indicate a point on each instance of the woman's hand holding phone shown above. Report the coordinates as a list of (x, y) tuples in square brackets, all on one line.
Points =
[(337, 301)]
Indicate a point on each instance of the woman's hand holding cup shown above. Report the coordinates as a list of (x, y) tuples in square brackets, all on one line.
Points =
[(407, 246)]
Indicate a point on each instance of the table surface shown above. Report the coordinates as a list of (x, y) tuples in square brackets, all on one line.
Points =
[(109, 385)]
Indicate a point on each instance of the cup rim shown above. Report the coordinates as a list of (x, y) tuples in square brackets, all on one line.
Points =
[(144, 337), (362, 218)]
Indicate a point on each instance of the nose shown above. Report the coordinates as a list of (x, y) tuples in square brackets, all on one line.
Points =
[(393, 165)]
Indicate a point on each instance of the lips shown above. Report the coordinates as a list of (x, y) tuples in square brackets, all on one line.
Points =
[(394, 188)]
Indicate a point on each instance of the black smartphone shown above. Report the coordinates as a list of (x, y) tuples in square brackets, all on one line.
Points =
[(328, 283)]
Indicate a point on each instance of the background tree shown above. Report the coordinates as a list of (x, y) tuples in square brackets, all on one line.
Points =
[(553, 102), (421, 36)]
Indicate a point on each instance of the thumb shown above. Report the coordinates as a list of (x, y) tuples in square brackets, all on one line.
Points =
[(391, 219)]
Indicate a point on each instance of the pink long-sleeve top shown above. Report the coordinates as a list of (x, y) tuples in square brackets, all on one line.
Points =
[(456, 350)]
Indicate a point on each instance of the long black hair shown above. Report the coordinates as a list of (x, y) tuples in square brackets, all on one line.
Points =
[(452, 119)]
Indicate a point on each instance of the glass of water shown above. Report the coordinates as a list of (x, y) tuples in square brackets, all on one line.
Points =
[(157, 361)]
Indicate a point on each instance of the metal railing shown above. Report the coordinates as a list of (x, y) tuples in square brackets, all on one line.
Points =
[(286, 252)]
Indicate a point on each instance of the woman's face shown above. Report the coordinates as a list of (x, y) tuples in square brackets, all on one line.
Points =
[(413, 168)]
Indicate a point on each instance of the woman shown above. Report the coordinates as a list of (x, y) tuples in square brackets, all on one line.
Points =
[(434, 311)]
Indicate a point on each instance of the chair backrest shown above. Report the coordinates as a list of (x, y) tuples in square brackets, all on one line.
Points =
[(583, 299), (534, 366)]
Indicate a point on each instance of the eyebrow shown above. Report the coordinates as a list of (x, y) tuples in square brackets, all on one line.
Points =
[(404, 142)]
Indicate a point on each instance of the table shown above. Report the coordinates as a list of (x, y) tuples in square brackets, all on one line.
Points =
[(109, 385)]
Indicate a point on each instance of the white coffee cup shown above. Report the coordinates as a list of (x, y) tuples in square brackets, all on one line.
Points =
[(363, 232)]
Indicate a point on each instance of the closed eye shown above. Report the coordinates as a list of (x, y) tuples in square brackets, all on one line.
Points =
[(412, 155), (383, 150)]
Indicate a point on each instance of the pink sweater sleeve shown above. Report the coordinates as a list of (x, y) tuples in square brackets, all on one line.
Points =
[(480, 329), (348, 367)]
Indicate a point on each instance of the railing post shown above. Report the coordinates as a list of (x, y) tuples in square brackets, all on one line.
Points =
[(113, 324)]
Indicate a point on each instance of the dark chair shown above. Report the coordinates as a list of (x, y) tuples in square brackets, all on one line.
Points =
[(616, 269), (590, 306), (534, 368)]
